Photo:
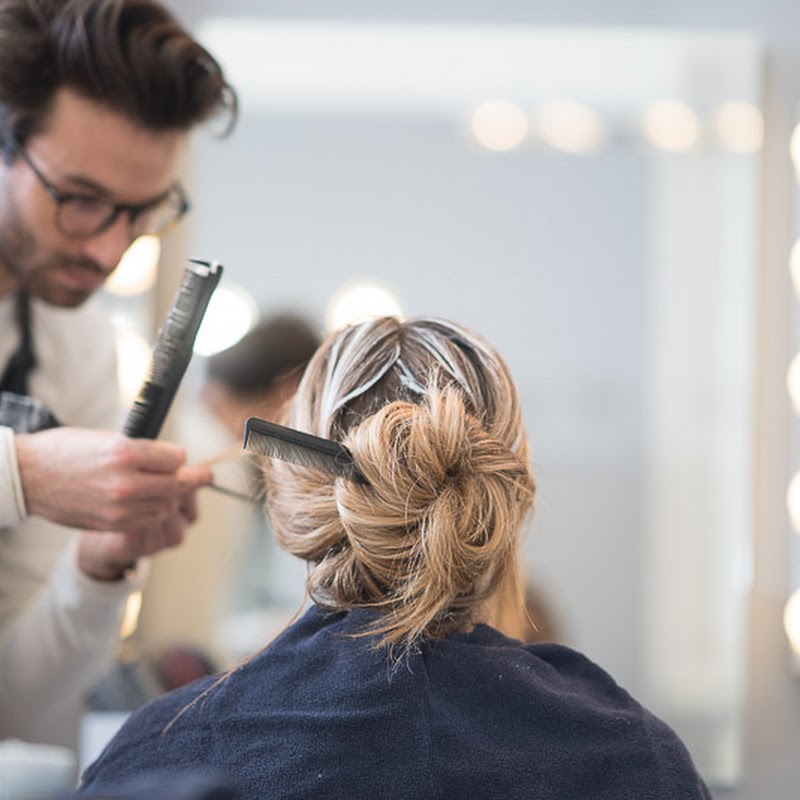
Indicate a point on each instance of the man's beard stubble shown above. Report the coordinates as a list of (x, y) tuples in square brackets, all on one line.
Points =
[(18, 250)]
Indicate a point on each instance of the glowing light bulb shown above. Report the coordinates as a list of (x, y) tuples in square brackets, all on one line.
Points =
[(231, 313), (136, 271), (357, 302), (793, 382), (571, 127), (794, 266), (793, 501), (791, 621), (671, 125), (739, 127), (133, 358), (130, 615), (794, 149), (499, 125)]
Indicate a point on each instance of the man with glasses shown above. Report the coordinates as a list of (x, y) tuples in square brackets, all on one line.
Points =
[(97, 99), (83, 216)]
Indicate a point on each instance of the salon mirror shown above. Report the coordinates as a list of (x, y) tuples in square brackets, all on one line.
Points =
[(599, 226)]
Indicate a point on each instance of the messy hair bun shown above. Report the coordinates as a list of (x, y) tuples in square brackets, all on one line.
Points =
[(431, 417)]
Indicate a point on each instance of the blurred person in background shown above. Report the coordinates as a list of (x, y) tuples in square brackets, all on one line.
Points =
[(258, 374), (256, 377)]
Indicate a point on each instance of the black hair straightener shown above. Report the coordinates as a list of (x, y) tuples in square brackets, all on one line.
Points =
[(173, 350)]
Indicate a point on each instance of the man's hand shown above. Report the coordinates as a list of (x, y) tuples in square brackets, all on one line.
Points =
[(104, 481), (107, 555)]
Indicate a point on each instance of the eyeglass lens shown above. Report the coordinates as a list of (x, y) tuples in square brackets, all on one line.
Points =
[(84, 216)]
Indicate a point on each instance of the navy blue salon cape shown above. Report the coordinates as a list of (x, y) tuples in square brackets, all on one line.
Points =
[(320, 714)]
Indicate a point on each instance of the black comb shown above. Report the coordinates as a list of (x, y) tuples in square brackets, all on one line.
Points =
[(270, 439)]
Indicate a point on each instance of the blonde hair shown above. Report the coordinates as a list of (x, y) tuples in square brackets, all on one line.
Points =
[(431, 415)]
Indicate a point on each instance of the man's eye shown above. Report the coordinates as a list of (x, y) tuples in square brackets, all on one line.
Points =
[(83, 204)]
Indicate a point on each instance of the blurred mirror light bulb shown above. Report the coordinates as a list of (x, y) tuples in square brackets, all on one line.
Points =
[(791, 621), (793, 382), (130, 615), (499, 125), (794, 150), (357, 302), (671, 125), (231, 313), (793, 501), (794, 266), (133, 358), (571, 127), (739, 127), (136, 271)]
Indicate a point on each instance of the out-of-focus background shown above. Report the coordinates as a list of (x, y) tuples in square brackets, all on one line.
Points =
[(610, 196)]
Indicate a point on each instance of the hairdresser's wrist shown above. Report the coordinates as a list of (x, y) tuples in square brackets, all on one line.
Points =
[(30, 473), (112, 572), (108, 572), (99, 565)]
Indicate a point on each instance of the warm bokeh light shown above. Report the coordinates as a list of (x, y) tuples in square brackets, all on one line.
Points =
[(794, 149), (357, 302), (136, 271), (499, 125), (671, 125), (794, 266), (571, 127), (130, 616), (793, 501), (793, 382), (739, 127), (133, 358), (231, 313), (791, 621)]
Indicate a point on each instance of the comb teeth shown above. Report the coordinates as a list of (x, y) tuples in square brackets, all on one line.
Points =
[(270, 439)]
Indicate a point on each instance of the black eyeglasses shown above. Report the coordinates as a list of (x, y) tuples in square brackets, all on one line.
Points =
[(80, 216)]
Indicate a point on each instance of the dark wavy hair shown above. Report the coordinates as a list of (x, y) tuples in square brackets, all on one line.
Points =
[(129, 55)]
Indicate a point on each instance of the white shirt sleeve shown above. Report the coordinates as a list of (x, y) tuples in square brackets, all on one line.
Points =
[(58, 628), (58, 645), (12, 501), (76, 378)]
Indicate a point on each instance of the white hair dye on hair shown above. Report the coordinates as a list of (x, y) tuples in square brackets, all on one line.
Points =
[(431, 416)]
